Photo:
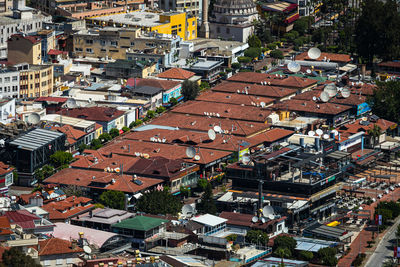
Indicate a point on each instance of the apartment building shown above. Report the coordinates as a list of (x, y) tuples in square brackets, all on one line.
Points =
[(24, 49), (192, 6), (6, 6), (48, 40), (23, 19), (35, 80), (173, 23), (9, 83), (116, 43)]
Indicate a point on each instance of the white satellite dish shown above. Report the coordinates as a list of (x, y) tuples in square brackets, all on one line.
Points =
[(319, 132), (345, 93), (271, 216), (71, 103), (187, 210), (293, 66), (325, 136), (331, 89), (262, 104), (190, 152), (311, 133), (308, 71), (33, 118), (335, 132), (263, 220), (197, 157), (211, 134), (324, 96), (254, 219), (314, 98), (218, 115), (217, 129), (267, 211), (87, 249), (314, 53)]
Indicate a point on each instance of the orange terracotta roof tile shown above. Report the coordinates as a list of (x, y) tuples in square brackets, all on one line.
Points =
[(93, 113), (273, 80), (353, 99), (56, 246), (311, 107), (157, 83), (4, 168), (341, 58), (234, 98), (176, 73)]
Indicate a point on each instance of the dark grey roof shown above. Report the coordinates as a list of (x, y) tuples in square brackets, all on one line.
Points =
[(36, 138), (148, 90)]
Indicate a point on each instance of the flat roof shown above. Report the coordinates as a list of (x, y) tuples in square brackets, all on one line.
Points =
[(81, 123), (136, 18), (210, 220), (35, 139)]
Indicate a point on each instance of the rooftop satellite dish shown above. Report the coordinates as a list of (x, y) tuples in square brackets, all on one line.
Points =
[(311, 133), (217, 129), (254, 219), (364, 118), (271, 216), (71, 103), (267, 211), (33, 118), (319, 132), (345, 93), (187, 210), (331, 89), (197, 157), (335, 132), (87, 249), (190, 152), (324, 97), (314, 53), (314, 98), (293, 66), (262, 104), (325, 136), (211, 134), (218, 115), (308, 71), (263, 220)]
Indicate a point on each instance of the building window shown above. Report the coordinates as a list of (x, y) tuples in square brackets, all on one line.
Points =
[(102, 42), (78, 49), (70, 261), (228, 31), (114, 43), (15, 78), (218, 30), (37, 75), (47, 263), (59, 261), (7, 79), (132, 43), (89, 50), (89, 41)]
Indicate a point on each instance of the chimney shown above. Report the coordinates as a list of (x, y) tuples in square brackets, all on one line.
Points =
[(205, 26), (91, 213)]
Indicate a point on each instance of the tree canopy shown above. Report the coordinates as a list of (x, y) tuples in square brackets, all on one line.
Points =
[(257, 237), (254, 41), (159, 202), (385, 101), (60, 158), (113, 199), (190, 90), (252, 52), (44, 172), (285, 242), (278, 54), (328, 256), (114, 132), (14, 257), (207, 204)]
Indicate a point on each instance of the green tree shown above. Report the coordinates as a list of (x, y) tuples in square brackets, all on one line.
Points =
[(252, 52), (82, 147), (105, 137), (159, 202), (202, 183), (282, 253), (173, 101), (204, 85), (262, 30), (254, 41), (236, 66), (151, 114), (285, 242), (207, 204), (125, 129), (385, 101), (114, 132), (135, 123), (257, 237), (95, 144), (160, 109), (231, 237), (244, 60), (328, 256), (60, 158), (44, 172), (14, 257), (375, 132), (190, 90), (301, 25), (306, 255), (15, 177), (277, 54), (113, 199), (185, 191)]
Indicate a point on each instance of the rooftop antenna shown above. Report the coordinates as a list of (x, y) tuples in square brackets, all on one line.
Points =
[(314, 53), (197, 157), (187, 210), (308, 71), (190, 152), (211, 134)]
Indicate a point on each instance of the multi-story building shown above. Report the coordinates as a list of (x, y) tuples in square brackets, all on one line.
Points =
[(9, 83), (48, 41), (24, 49), (130, 68), (35, 80), (7, 112), (192, 6), (24, 19), (6, 6), (174, 23), (118, 43)]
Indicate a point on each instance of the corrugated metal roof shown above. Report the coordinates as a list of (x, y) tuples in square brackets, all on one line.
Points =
[(36, 139)]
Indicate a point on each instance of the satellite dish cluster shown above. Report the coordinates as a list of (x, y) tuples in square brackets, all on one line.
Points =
[(187, 211), (267, 215), (313, 53), (323, 134)]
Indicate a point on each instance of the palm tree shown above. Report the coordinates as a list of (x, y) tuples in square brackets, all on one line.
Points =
[(374, 132), (282, 253)]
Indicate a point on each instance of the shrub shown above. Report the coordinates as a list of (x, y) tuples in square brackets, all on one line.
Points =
[(244, 59), (236, 65), (135, 123), (125, 129)]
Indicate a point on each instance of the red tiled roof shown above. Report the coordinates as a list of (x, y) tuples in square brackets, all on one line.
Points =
[(55, 52), (341, 58), (241, 219), (203, 124), (92, 179), (51, 99), (157, 83), (254, 89), (176, 73), (356, 127), (311, 107), (4, 168), (273, 135), (67, 208), (5, 227), (73, 135), (353, 99), (246, 113), (32, 39), (22, 217), (56, 246), (273, 80), (234, 98), (93, 113)]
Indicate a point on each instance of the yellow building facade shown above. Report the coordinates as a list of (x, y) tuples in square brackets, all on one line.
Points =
[(36, 81)]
